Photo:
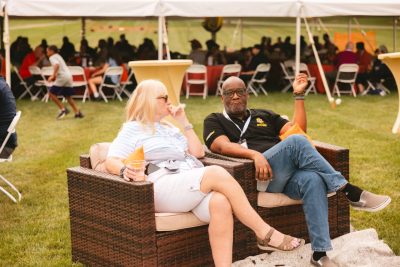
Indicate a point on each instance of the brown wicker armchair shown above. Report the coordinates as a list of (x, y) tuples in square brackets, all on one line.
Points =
[(113, 223), (290, 219)]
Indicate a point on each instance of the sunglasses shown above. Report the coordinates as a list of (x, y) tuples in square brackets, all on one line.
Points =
[(165, 97), (240, 92)]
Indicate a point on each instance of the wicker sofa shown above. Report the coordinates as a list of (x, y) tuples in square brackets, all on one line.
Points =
[(113, 223), (286, 214)]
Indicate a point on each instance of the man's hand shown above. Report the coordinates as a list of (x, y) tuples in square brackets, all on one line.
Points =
[(51, 78), (300, 83), (263, 170)]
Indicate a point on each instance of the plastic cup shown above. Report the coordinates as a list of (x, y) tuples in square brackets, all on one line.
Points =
[(137, 167)]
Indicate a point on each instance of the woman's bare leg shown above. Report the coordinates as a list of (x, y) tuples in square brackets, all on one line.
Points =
[(93, 82), (219, 180), (220, 230)]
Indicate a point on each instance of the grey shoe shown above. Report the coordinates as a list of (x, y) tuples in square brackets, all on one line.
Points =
[(371, 202), (325, 261), (62, 113)]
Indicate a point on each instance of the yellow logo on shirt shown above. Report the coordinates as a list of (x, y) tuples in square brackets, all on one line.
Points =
[(261, 122), (208, 136)]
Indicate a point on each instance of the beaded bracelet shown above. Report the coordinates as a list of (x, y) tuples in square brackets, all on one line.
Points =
[(188, 127)]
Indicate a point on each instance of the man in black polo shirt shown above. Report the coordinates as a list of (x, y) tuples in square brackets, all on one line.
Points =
[(7, 113), (292, 166)]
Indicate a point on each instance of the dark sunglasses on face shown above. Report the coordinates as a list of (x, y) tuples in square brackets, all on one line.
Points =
[(230, 92), (165, 97)]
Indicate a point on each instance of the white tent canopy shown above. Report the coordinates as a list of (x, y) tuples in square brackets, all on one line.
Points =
[(279, 8), (201, 8)]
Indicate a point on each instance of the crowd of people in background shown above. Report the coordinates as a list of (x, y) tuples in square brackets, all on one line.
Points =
[(111, 53)]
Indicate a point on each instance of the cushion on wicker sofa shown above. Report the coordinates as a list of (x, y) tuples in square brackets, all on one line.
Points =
[(273, 200), (98, 154), (164, 221), (176, 221)]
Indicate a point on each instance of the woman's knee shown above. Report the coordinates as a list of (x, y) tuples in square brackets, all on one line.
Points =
[(217, 171), (220, 204)]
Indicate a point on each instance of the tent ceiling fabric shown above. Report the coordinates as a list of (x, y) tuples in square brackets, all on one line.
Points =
[(201, 8), (83, 8)]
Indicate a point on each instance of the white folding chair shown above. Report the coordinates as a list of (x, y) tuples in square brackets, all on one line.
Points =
[(126, 83), (258, 79), (288, 74), (106, 83), (46, 72), (27, 88), (10, 130), (379, 86), (196, 74), (347, 74), (227, 71), (311, 80), (40, 83), (78, 81)]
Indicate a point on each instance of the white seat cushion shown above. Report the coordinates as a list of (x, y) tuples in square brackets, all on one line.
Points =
[(176, 221), (273, 200), (98, 154)]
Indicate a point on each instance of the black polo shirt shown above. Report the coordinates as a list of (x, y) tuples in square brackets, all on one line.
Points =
[(261, 135)]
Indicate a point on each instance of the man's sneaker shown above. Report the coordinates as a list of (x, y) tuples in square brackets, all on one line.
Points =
[(371, 202), (323, 262), (62, 113), (79, 115)]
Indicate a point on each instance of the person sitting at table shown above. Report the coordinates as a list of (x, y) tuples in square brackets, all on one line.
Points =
[(346, 56), (251, 58), (364, 61), (183, 184), (96, 78), (380, 72), (214, 55), (36, 58), (197, 54)]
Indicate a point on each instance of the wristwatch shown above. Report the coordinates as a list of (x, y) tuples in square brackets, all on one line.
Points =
[(121, 171)]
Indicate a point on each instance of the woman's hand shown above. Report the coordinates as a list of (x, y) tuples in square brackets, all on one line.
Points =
[(135, 172), (178, 113), (300, 83)]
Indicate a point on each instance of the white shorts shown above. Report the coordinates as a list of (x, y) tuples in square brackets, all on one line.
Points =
[(180, 192)]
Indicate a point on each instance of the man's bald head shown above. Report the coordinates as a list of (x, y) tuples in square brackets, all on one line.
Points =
[(233, 82), (234, 96)]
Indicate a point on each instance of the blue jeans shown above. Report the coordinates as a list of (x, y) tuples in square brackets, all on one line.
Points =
[(300, 172)]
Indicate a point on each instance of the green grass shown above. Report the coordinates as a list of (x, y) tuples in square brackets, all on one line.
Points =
[(36, 231)]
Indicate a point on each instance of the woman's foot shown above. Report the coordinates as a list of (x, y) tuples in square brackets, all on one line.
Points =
[(276, 241)]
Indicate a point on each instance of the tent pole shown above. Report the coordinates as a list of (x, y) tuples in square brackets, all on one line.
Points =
[(395, 20), (349, 30), (160, 38), (298, 31), (83, 28), (165, 39), (6, 39), (241, 32), (318, 60)]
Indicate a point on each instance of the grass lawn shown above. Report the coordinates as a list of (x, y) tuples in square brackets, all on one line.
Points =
[(36, 231)]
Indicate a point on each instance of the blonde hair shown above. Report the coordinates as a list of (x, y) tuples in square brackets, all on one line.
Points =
[(142, 105)]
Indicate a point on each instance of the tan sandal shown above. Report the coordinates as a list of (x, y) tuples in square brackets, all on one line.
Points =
[(286, 245)]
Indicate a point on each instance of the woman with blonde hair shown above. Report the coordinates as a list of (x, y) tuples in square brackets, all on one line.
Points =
[(184, 184)]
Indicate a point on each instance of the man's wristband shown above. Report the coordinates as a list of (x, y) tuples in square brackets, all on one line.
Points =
[(299, 97), (188, 127)]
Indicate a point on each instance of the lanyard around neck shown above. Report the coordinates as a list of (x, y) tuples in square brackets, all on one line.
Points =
[(246, 125)]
